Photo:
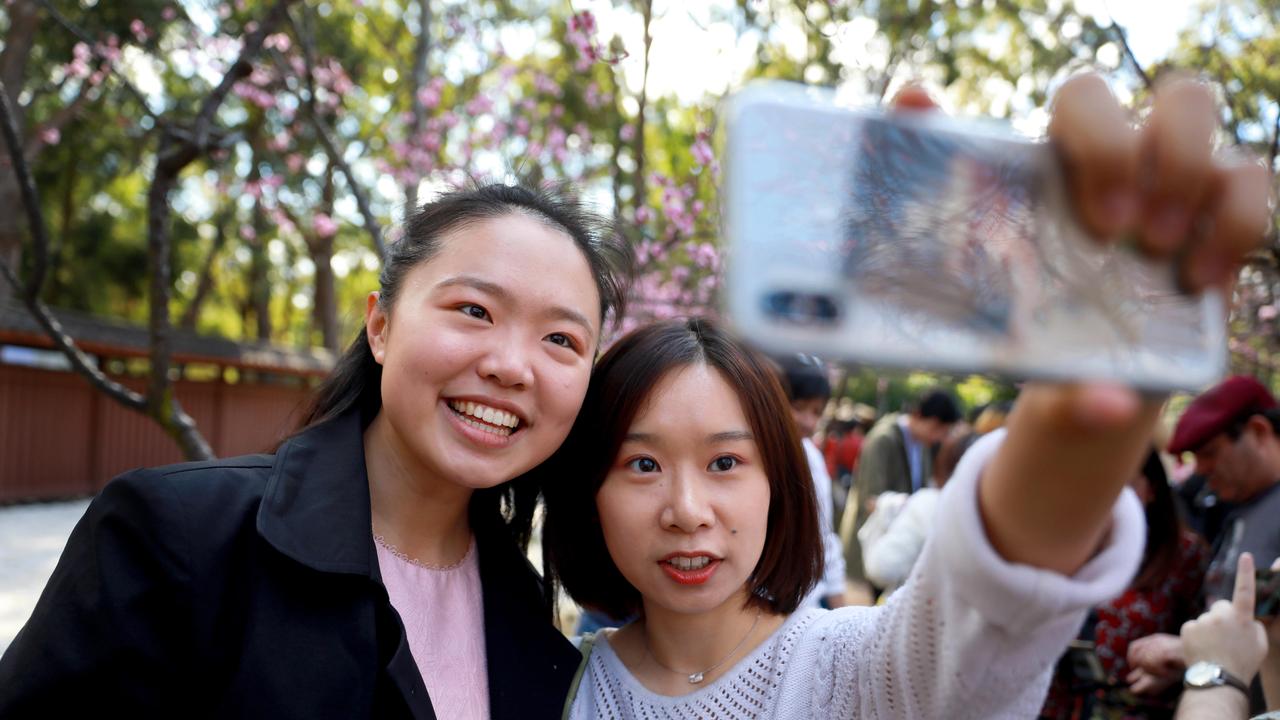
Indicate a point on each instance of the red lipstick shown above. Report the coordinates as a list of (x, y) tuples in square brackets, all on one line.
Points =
[(690, 577)]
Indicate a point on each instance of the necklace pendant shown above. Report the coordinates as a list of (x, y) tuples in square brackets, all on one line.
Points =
[(695, 678)]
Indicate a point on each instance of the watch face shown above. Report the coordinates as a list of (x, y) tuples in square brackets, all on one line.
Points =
[(1202, 674)]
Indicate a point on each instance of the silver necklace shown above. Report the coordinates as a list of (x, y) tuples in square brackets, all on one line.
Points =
[(697, 677)]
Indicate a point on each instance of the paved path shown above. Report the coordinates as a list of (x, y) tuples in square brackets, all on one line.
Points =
[(31, 539)]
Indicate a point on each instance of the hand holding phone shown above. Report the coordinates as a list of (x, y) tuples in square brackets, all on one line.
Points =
[(918, 241)]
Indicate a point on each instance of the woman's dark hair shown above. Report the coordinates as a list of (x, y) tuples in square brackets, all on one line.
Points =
[(1163, 527), (572, 539), (356, 380)]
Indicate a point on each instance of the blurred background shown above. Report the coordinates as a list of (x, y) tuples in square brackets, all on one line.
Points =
[(194, 195)]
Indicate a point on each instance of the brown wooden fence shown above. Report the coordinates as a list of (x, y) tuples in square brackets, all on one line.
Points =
[(61, 438)]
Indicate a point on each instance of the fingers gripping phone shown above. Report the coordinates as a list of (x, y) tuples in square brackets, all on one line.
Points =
[(913, 240)]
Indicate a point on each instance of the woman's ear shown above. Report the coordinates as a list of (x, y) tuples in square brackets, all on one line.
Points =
[(376, 327)]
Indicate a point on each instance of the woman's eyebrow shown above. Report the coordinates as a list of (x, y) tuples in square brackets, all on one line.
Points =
[(730, 436)]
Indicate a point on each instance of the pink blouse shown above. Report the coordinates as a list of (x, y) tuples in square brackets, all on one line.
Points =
[(443, 614)]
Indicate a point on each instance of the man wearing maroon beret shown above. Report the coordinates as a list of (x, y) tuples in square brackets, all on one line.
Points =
[(1233, 430)]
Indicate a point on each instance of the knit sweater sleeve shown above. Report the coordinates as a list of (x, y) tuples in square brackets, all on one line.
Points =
[(970, 635)]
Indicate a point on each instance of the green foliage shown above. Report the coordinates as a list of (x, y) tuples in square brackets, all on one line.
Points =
[(985, 56)]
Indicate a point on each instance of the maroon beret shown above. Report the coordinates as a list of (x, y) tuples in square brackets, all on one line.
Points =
[(1213, 411)]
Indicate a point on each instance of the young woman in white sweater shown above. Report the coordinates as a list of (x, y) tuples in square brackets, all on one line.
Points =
[(681, 494)]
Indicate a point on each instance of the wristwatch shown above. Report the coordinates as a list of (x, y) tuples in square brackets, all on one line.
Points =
[(1204, 675)]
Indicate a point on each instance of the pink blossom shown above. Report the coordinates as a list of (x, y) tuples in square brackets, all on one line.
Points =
[(701, 151), (278, 41), (139, 30), (428, 97), (581, 34), (479, 105), (627, 132), (294, 162), (544, 84), (324, 225), (248, 233), (1267, 312), (643, 214), (50, 136), (168, 13)]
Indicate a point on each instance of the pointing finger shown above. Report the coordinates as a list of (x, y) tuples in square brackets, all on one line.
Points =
[(1243, 599)]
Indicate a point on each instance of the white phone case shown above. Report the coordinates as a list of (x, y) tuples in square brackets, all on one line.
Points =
[(915, 240)]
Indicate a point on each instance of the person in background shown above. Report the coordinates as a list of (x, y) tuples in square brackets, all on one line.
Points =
[(992, 417), (896, 457), (804, 378), (843, 447), (1162, 597), (888, 559), (1233, 430)]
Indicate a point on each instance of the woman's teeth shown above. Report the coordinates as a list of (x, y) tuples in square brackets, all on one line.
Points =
[(493, 420), (693, 563)]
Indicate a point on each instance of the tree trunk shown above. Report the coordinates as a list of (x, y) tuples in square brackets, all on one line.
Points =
[(260, 277), (420, 51), (325, 303), (192, 314)]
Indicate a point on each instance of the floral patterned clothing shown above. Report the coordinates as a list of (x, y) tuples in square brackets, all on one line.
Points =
[(1136, 613)]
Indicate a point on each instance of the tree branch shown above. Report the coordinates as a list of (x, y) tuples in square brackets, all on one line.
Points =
[(80, 362), (30, 201), (36, 142), (176, 150), (336, 159), (420, 51), (1128, 53), (205, 284)]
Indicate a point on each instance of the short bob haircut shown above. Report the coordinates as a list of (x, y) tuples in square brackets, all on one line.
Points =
[(573, 542)]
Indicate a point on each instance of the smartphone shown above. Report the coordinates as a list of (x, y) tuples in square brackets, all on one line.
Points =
[(919, 241), (1267, 596)]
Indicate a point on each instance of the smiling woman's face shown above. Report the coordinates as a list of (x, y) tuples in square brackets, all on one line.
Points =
[(487, 351), (685, 505)]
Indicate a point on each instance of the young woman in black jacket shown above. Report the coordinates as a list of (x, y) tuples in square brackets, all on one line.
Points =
[(372, 566)]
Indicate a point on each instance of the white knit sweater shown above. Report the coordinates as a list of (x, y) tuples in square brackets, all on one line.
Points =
[(969, 636)]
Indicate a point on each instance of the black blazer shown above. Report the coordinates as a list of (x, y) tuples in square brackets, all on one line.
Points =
[(249, 587)]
